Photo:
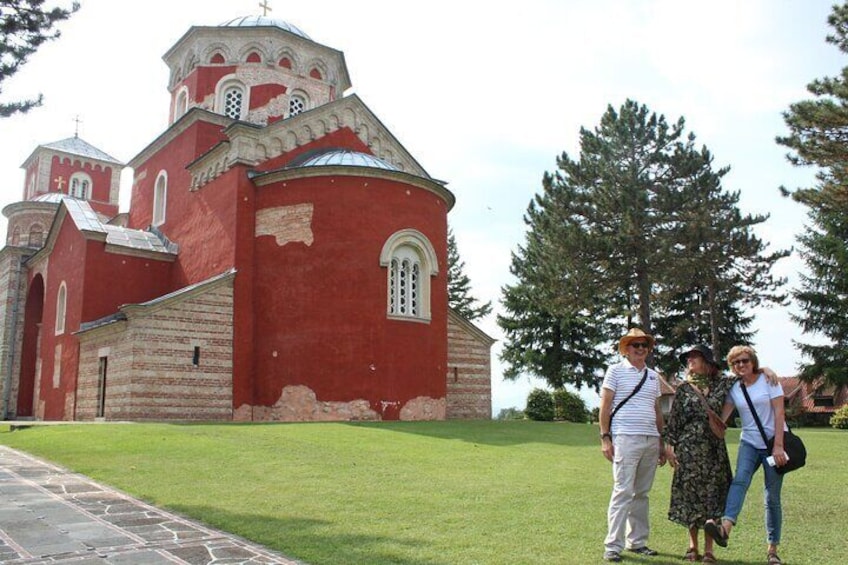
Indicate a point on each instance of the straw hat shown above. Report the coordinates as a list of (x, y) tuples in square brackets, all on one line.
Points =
[(633, 335)]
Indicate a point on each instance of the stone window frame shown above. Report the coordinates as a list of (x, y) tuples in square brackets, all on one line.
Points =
[(225, 86), (298, 97), (398, 256), (160, 199), (61, 308), (77, 179)]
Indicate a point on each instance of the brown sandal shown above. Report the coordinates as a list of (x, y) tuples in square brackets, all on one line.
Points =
[(773, 559), (709, 557), (692, 555)]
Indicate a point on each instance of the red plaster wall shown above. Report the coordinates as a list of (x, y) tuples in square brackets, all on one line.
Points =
[(66, 263), (322, 308), (113, 279), (261, 94), (202, 222)]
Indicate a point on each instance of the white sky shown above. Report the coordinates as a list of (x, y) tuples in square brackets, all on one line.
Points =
[(484, 95)]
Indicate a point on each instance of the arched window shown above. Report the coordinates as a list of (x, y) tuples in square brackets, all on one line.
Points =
[(181, 104), (160, 197), (16, 236), (410, 261), (297, 104), (80, 186), (217, 59), (285, 62), (61, 305), (36, 236), (231, 99), (253, 57)]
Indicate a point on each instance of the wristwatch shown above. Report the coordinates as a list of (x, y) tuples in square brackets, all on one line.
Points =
[(606, 435)]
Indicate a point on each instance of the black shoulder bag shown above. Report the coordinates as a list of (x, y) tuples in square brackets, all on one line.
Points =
[(632, 394), (792, 444)]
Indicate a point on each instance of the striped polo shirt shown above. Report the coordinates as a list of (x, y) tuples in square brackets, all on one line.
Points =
[(638, 416)]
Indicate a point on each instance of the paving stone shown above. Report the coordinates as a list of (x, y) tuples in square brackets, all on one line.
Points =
[(49, 516)]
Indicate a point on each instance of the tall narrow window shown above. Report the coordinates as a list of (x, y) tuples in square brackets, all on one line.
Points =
[(36, 236), (101, 387), (61, 305), (181, 104), (411, 261), (160, 197), (80, 186)]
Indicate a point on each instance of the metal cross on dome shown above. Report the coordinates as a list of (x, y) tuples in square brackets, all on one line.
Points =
[(265, 7)]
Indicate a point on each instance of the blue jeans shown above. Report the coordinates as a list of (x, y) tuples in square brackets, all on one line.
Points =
[(748, 460)]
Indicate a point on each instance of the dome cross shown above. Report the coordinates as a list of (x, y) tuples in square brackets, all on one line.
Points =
[(265, 7)]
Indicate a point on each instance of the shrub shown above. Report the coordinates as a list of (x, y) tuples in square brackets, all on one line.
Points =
[(839, 420), (596, 415), (570, 407), (540, 405), (510, 414)]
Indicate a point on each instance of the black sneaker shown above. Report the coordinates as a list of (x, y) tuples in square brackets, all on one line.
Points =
[(612, 556), (645, 550)]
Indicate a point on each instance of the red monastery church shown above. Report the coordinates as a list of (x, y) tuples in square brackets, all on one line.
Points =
[(284, 258)]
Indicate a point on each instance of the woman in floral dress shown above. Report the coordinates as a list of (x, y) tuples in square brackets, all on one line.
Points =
[(702, 473)]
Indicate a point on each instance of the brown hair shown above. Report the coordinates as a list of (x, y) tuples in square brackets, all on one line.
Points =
[(739, 350)]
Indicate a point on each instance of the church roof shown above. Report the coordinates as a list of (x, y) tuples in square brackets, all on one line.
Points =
[(264, 21), (344, 157), (76, 146)]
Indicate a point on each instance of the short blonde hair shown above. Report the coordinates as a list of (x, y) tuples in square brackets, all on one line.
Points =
[(739, 350)]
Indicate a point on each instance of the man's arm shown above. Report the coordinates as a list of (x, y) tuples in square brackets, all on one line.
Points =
[(604, 423)]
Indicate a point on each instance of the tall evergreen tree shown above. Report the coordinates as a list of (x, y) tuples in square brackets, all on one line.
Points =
[(24, 26), (637, 231), (818, 138), (459, 285)]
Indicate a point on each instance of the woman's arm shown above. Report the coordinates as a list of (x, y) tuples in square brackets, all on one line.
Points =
[(779, 421)]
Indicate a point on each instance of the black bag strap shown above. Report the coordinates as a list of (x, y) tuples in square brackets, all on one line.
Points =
[(754, 413), (632, 394)]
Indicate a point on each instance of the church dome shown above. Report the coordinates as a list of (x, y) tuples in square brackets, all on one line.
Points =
[(264, 21), (346, 157)]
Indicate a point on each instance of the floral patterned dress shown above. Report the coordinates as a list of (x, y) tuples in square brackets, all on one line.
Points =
[(703, 475)]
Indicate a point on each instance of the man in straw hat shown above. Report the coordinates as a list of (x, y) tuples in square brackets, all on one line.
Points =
[(631, 421)]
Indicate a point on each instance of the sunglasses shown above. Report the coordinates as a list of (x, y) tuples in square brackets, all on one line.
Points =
[(743, 361), (639, 344)]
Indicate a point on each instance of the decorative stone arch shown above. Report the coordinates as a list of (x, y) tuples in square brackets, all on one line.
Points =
[(319, 66), (348, 118), (246, 50), (15, 236), (290, 141), (363, 131), (410, 262)]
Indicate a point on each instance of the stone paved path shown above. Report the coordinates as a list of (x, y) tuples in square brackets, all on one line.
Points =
[(50, 515)]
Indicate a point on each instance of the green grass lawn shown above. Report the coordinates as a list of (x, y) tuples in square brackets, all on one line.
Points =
[(426, 493)]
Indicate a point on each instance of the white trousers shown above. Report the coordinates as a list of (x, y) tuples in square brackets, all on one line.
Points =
[(633, 468)]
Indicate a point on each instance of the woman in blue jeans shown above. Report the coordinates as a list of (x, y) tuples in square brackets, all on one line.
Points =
[(767, 399)]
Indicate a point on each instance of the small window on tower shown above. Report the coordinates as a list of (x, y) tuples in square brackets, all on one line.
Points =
[(80, 186), (160, 198), (233, 102), (297, 104)]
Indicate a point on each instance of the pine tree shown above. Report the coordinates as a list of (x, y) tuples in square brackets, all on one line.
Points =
[(637, 231), (818, 138), (459, 285), (24, 26)]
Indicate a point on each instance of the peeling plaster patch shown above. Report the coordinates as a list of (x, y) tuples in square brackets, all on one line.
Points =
[(286, 223), (243, 413), (299, 404), (424, 408)]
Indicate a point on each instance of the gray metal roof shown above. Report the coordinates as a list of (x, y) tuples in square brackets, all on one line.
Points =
[(345, 157), (264, 21), (53, 197), (84, 215), (134, 239), (76, 146)]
